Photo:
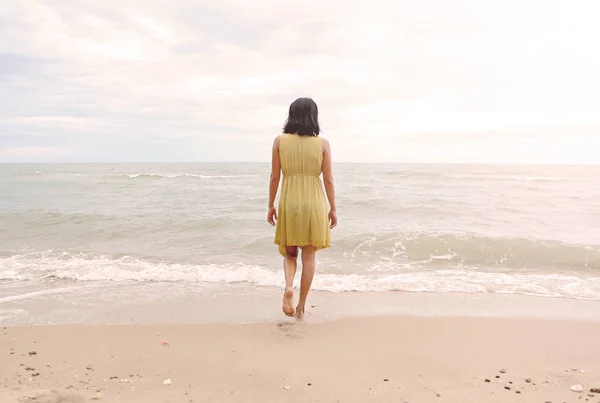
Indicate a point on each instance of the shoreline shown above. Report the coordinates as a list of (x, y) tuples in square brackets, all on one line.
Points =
[(378, 359), (160, 303)]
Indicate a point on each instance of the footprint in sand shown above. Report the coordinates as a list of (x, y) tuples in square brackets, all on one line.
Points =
[(291, 330)]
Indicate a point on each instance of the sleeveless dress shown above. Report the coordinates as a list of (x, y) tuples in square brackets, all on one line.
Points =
[(302, 216)]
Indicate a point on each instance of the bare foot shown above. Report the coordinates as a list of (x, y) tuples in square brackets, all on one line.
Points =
[(288, 302), (299, 312)]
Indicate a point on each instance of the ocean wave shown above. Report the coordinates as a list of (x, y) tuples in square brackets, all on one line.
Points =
[(515, 178), (422, 249), (28, 173), (172, 176), (134, 175), (36, 218), (539, 178), (472, 250), (481, 176), (96, 224), (52, 174), (104, 268), (510, 178)]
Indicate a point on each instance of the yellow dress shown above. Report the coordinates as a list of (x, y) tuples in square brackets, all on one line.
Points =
[(302, 216)]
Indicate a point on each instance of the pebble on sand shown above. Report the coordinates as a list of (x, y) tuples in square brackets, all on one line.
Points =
[(502, 371), (286, 387), (167, 382), (595, 390)]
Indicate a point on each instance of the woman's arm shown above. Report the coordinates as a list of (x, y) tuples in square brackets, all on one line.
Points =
[(274, 182), (328, 181)]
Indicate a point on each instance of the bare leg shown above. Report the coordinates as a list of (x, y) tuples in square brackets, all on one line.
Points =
[(289, 269), (308, 272)]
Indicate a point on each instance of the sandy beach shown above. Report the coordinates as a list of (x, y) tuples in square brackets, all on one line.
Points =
[(377, 359)]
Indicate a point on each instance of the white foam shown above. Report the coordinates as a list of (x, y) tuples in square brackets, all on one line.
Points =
[(540, 178), (179, 175), (400, 278), (34, 294), (7, 315), (524, 178)]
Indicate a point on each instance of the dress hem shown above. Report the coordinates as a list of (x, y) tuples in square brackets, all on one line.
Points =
[(301, 245)]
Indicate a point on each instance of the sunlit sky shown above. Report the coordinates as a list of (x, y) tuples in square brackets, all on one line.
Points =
[(500, 81)]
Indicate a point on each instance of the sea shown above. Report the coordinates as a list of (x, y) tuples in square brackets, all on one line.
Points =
[(74, 230)]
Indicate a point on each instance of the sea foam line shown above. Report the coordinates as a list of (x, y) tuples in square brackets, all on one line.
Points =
[(101, 269), (179, 175)]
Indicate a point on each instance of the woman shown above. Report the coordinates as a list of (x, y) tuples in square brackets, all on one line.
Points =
[(303, 220)]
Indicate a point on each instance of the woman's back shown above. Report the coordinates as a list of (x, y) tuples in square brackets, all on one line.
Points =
[(300, 155)]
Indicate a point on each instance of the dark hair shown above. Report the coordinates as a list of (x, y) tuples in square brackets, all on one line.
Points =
[(303, 118)]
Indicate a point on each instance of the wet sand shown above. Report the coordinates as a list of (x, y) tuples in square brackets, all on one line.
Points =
[(179, 303), (376, 359)]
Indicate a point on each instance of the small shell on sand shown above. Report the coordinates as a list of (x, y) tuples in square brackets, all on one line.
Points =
[(577, 388), (167, 382)]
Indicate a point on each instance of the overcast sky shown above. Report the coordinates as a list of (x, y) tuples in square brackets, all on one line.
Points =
[(395, 80)]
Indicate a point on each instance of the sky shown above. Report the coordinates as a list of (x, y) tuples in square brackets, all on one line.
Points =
[(469, 81)]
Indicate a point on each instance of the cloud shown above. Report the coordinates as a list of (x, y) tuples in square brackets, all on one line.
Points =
[(187, 80)]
